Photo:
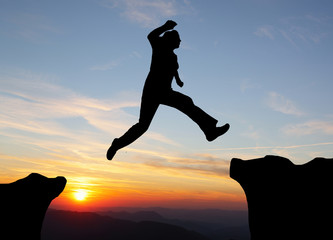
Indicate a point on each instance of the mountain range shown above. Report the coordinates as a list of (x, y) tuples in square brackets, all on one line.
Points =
[(149, 223)]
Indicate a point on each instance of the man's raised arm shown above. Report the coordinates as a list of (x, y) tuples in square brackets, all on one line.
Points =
[(153, 35)]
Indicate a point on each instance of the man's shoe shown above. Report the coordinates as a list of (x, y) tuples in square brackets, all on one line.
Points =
[(112, 149), (218, 131)]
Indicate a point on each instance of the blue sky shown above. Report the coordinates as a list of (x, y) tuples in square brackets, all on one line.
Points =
[(71, 75)]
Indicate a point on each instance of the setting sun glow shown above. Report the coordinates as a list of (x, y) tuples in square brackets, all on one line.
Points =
[(80, 194)]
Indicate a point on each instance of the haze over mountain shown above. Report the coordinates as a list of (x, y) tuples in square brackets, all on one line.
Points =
[(86, 226), (146, 223)]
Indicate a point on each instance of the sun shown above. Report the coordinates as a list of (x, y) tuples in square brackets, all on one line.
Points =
[(80, 194)]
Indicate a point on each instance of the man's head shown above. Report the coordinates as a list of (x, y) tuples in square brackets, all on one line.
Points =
[(172, 39)]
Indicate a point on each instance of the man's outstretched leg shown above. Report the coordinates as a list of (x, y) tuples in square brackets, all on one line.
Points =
[(147, 112), (130, 136), (206, 122)]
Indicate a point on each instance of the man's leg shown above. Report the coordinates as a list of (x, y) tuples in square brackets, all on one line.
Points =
[(206, 122), (147, 112)]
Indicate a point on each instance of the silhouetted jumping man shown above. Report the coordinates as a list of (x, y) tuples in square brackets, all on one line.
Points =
[(157, 90)]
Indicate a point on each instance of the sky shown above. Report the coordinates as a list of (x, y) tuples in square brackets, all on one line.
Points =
[(72, 72)]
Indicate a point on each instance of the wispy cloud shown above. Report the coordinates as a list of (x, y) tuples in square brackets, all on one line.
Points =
[(282, 104), (31, 27), (196, 165), (247, 84), (252, 133), (106, 66), (148, 13), (35, 109), (115, 62), (297, 29), (274, 147), (309, 128), (265, 31), (287, 36), (27, 109), (295, 152), (308, 28)]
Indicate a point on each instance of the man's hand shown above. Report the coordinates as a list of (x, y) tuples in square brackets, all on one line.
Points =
[(180, 83), (170, 24)]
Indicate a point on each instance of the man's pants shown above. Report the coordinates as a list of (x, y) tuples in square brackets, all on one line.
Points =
[(149, 105)]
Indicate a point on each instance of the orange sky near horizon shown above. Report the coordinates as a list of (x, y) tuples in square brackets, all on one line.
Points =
[(174, 188), (100, 199), (196, 183)]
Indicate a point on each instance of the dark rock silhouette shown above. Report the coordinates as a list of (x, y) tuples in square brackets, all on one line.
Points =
[(287, 201), (67, 225), (24, 204)]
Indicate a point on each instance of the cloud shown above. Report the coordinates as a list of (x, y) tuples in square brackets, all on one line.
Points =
[(274, 147), (308, 28), (281, 104), (265, 31), (36, 106), (288, 37), (50, 116), (32, 27), (295, 152), (310, 128), (202, 164), (252, 133), (296, 30), (148, 13), (107, 66), (248, 84), (116, 62)]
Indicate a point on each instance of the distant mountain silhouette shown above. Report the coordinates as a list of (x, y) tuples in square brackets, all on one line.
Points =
[(218, 216), (24, 203), (287, 201), (216, 224), (136, 216), (67, 225)]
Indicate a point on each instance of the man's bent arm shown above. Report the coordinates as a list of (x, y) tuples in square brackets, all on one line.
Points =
[(178, 81), (153, 35)]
